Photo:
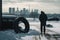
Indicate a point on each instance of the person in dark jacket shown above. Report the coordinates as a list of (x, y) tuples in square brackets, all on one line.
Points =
[(43, 19)]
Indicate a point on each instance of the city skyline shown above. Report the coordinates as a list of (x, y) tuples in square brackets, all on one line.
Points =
[(47, 6)]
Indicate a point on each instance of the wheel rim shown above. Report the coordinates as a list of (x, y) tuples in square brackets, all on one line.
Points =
[(21, 25)]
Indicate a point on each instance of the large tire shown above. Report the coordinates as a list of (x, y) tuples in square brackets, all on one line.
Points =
[(18, 29)]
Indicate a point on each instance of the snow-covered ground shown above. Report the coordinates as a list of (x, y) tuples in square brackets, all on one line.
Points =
[(34, 32), (56, 26)]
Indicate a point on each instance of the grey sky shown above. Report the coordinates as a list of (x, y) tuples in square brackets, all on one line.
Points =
[(31, 0), (48, 5)]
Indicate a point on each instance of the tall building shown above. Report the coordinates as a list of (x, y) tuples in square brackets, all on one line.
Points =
[(36, 10), (17, 11), (11, 10), (24, 12)]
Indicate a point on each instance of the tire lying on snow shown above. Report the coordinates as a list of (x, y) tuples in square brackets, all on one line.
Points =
[(18, 29)]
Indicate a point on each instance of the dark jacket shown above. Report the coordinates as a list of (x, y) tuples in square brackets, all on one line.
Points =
[(43, 18)]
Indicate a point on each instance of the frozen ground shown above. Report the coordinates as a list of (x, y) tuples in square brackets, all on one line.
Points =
[(34, 32)]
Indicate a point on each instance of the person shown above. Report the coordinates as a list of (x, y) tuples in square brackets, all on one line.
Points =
[(43, 19)]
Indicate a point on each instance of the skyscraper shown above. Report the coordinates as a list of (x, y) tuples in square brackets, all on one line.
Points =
[(11, 10)]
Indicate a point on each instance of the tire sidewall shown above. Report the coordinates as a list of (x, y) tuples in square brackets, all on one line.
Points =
[(22, 19)]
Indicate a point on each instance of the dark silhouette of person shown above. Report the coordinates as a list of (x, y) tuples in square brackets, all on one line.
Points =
[(43, 19)]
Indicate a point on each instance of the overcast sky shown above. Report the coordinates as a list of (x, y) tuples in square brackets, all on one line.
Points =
[(49, 6)]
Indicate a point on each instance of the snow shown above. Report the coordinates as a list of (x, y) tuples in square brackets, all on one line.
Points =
[(33, 34), (43, 38), (56, 26)]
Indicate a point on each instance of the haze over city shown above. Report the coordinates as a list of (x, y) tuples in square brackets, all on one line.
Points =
[(49, 6)]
